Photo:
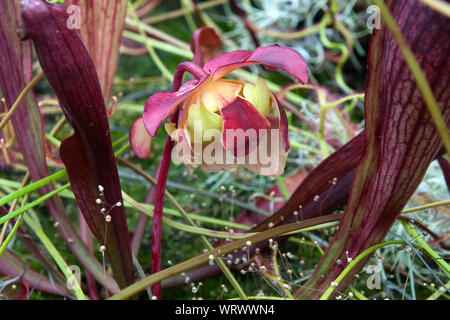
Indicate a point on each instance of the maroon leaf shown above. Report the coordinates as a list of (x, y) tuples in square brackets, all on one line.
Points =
[(15, 73), (401, 139), (88, 154)]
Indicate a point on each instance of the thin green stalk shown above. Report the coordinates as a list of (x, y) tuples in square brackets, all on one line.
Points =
[(33, 204), (12, 208), (11, 235), (357, 293), (123, 148), (427, 206), (13, 232), (33, 186), (34, 224), (188, 16), (157, 44), (19, 100), (53, 140), (301, 146), (9, 183), (180, 226), (438, 293), (439, 6), (344, 54), (354, 262), (283, 189), (199, 218), (225, 270), (424, 245), (181, 12)]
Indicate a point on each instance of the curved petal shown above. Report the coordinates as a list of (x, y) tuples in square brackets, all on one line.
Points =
[(140, 140), (243, 127), (205, 45), (219, 93), (275, 57), (230, 58), (161, 104)]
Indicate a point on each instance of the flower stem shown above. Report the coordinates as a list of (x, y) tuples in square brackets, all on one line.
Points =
[(157, 214)]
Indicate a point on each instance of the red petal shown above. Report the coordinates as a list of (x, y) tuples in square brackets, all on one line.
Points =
[(241, 114), (283, 58), (227, 59), (140, 140), (159, 105), (275, 57)]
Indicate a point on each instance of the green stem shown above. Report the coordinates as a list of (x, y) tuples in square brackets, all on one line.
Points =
[(34, 224), (14, 229), (354, 262), (283, 188), (436, 258), (33, 204), (19, 100), (439, 6), (180, 226), (33, 186), (438, 293)]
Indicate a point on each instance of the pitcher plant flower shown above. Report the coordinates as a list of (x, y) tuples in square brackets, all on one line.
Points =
[(221, 123)]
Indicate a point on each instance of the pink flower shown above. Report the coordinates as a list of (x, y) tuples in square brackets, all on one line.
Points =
[(221, 123)]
